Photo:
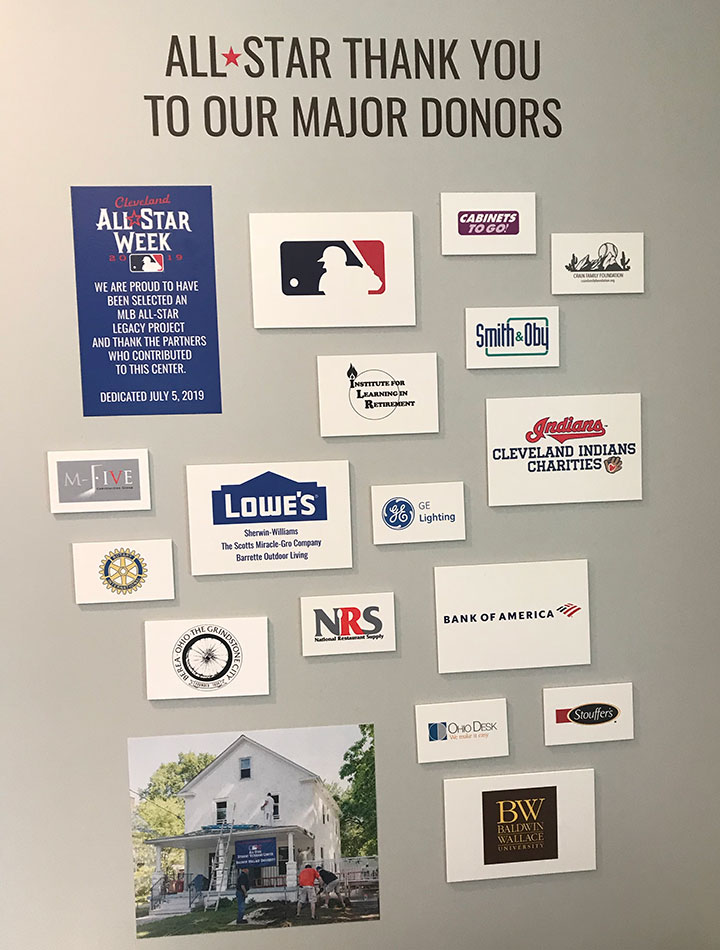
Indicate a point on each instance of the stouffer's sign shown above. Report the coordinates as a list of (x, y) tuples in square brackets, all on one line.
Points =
[(588, 714), (568, 428)]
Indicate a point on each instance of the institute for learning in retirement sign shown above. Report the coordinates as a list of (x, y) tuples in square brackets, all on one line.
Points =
[(147, 312)]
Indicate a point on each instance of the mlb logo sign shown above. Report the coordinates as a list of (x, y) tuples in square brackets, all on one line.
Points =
[(437, 731), (254, 849), (347, 269), (146, 263), (332, 268)]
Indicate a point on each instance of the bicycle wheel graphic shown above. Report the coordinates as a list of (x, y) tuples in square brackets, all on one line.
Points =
[(207, 657)]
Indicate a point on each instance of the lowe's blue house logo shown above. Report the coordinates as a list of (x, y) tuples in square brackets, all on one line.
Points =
[(267, 499), (437, 731)]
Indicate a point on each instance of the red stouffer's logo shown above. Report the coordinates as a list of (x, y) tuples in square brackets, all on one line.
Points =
[(569, 428)]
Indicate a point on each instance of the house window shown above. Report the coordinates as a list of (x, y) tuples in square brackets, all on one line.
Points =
[(220, 813), (322, 853), (276, 807), (323, 814), (245, 768), (283, 857)]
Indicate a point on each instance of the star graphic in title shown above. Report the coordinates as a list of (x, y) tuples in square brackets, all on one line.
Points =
[(133, 219), (231, 57)]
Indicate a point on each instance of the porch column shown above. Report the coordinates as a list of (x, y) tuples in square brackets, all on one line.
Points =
[(157, 874), (291, 871), (187, 876)]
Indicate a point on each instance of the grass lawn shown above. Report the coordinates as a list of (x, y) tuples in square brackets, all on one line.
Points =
[(271, 914)]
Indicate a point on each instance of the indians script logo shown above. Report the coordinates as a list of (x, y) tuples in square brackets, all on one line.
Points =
[(375, 394), (440, 731), (398, 513), (607, 260), (269, 498), (520, 824), (488, 222), (342, 270), (207, 657), (520, 336), (147, 263), (569, 428), (588, 714), (569, 609), (123, 571), (98, 480), (344, 624)]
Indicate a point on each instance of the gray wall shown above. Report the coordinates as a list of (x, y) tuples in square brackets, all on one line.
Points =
[(639, 152)]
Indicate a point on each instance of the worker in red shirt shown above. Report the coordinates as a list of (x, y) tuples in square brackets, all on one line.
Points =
[(307, 879)]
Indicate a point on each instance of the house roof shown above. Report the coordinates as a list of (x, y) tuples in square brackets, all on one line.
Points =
[(232, 748)]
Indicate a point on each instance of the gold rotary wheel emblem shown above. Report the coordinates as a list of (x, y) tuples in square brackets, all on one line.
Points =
[(123, 571)]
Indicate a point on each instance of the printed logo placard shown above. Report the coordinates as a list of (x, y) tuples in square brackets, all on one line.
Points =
[(499, 826), (493, 222), (505, 337), (347, 623), (545, 450), (588, 713), (601, 263), (512, 616), (191, 659), (352, 269), (469, 730), (147, 314), (269, 516), (99, 480), (384, 394), (121, 572), (432, 511)]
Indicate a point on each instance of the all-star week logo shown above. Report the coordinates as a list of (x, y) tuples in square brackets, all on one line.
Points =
[(207, 657), (376, 394), (542, 456), (142, 230)]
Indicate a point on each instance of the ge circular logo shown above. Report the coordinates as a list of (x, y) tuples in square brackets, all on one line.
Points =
[(207, 657), (398, 513)]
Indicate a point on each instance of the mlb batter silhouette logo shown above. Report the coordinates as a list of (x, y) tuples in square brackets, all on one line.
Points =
[(147, 263), (343, 270)]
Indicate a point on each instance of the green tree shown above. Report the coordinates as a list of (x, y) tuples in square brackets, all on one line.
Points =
[(161, 813), (358, 809)]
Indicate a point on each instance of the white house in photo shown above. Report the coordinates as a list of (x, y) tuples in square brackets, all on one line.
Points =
[(248, 793)]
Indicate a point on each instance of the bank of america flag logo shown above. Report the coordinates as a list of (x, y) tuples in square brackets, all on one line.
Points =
[(437, 731), (344, 270), (569, 609)]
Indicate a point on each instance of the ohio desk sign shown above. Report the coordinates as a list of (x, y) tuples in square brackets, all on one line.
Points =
[(499, 826), (191, 659), (383, 394), (352, 269), (545, 450), (147, 315), (123, 572), (474, 729), (269, 516), (99, 480)]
